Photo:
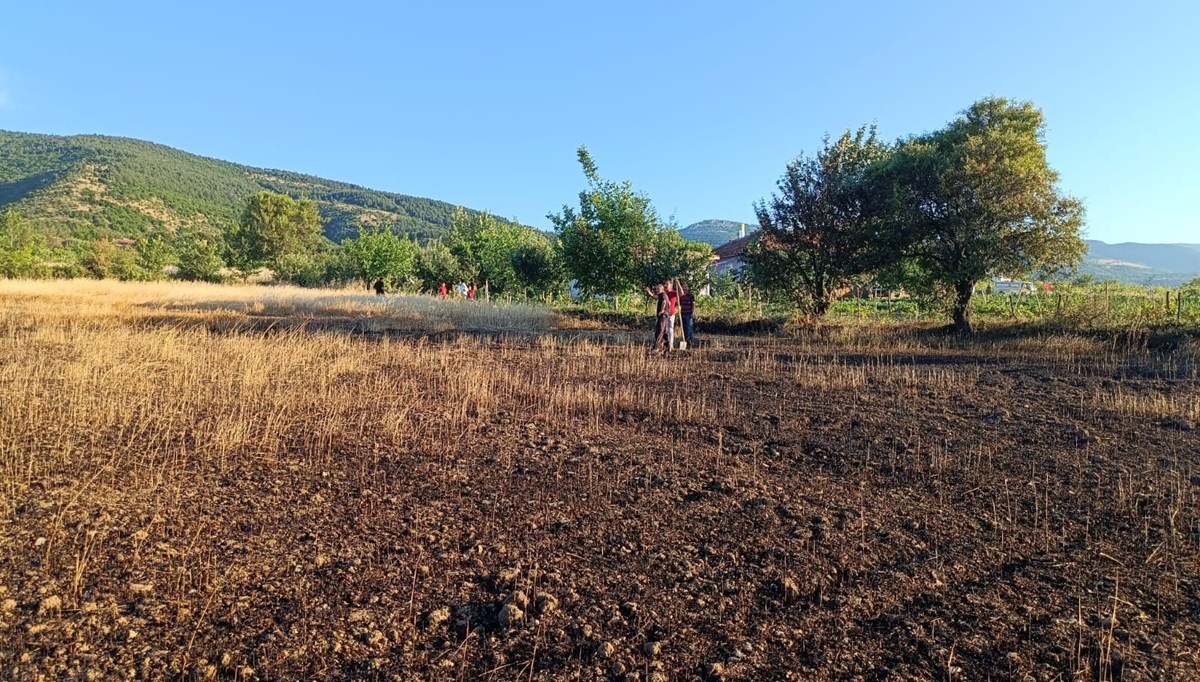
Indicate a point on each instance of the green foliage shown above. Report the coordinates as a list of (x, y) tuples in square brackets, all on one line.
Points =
[(19, 247), (538, 267), (274, 231), (153, 255), (976, 199), (484, 247), (378, 253), (819, 232), (105, 260), (436, 265), (724, 285), (609, 243), (670, 257), (200, 259), (306, 269)]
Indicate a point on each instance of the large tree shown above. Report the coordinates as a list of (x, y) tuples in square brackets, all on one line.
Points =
[(484, 246), (20, 247), (435, 265), (538, 266), (978, 199), (378, 253), (818, 232), (606, 241), (670, 256), (273, 227)]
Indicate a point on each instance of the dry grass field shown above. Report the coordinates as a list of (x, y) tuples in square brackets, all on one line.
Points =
[(210, 483)]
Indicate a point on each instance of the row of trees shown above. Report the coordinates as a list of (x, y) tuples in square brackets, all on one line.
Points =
[(284, 235), (935, 213)]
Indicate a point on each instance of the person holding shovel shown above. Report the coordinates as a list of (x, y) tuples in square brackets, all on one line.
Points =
[(662, 318), (687, 309)]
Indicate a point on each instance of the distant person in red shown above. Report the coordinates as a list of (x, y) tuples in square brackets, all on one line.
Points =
[(687, 308), (471, 292), (673, 300), (443, 291), (661, 317)]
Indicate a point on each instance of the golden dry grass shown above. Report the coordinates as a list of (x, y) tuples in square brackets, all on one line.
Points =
[(229, 306)]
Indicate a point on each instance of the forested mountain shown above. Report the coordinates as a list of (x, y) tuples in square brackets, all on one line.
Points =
[(1154, 264), (716, 232), (89, 186)]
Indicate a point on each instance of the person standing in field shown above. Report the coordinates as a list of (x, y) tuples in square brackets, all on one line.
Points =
[(379, 287), (661, 317), (673, 301), (460, 289), (442, 291), (687, 309), (471, 292)]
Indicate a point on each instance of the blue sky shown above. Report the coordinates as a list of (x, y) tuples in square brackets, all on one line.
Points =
[(699, 104)]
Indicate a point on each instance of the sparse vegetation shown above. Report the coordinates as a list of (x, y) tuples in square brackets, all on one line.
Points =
[(278, 483)]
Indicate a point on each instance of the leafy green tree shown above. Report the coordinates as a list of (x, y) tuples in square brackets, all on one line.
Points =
[(725, 285), (19, 247), (606, 241), (379, 253), (200, 259), (153, 254), (484, 245), (977, 199), (273, 226), (538, 267), (309, 269), (103, 260), (819, 232), (670, 256), (435, 265)]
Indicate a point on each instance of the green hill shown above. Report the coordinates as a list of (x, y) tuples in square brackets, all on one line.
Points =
[(716, 232), (89, 186)]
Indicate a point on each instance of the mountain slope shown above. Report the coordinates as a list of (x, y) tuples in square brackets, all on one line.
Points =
[(1154, 264), (86, 186), (715, 232)]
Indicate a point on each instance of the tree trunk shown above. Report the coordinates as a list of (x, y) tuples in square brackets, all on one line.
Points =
[(962, 306), (820, 306)]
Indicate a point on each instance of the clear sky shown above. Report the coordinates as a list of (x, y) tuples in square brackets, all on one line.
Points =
[(699, 104)]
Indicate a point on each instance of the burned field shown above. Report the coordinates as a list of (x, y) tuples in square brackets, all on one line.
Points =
[(192, 501)]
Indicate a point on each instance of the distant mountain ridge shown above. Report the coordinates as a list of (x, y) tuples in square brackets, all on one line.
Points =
[(1151, 264), (716, 232), (89, 186)]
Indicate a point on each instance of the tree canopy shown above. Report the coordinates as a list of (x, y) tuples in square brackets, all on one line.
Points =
[(978, 199), (273, 230), (819, 232), (615, 242), (378, 253)]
